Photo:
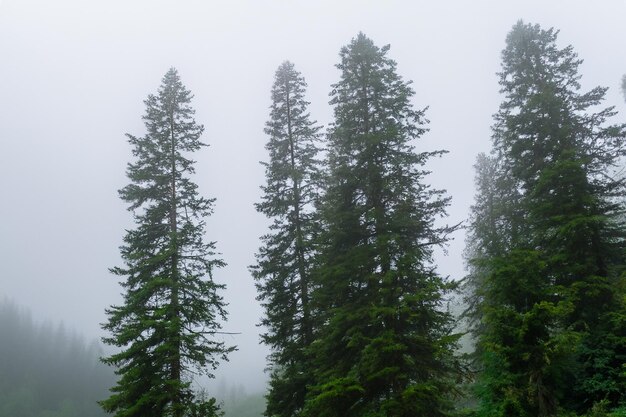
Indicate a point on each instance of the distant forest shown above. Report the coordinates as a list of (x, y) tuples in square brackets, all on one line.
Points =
[(47, 370)]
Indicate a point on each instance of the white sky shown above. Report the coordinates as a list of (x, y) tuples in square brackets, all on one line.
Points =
[(74, 74)]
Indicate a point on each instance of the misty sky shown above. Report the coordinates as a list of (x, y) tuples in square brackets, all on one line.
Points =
[(74, 74)]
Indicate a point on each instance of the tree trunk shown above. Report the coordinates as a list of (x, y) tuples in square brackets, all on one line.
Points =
[(175, 360), (299, 244)]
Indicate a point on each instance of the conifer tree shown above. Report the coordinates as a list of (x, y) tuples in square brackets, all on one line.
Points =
[(495, 224), (171, 309), (385, 343), (283, 271), (547, 291)]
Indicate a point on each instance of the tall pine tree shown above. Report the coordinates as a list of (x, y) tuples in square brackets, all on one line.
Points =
[(385, 344), (166, 325), (495, 224), (283, 271), (547, 291)]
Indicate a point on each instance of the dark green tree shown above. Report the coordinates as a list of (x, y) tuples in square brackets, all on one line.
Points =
[(546, 285), (385, 344), (494, 225), (166, 325), (283, 271)]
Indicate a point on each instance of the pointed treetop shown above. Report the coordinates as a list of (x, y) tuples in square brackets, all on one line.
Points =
[(361, 49)]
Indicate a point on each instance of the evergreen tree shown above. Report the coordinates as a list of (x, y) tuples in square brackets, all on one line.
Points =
[(385, 346), (495, 222), (283, 271), (171, 307), (547, 290)]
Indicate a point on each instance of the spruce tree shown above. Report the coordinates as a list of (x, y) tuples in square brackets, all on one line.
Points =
[(495, 224), (385, 344), (171, 308), (283, 271), (547, 291)]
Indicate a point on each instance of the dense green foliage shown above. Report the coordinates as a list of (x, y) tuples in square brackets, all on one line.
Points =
[(385, 346), (283, 271), (547, 244), (47, 371), (165, 328)]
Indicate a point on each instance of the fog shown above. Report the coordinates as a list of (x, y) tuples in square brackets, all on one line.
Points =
[(74, 74)]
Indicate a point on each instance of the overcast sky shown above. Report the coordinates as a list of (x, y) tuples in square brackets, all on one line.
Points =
[(74, 74)]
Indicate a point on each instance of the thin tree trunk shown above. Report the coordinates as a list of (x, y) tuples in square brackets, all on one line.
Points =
[(175, 364), (299, 247)]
